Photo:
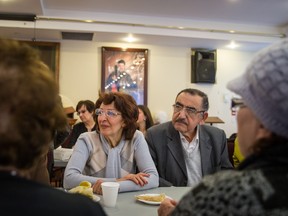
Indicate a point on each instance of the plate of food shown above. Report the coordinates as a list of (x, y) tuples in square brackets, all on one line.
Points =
[(152, 199)]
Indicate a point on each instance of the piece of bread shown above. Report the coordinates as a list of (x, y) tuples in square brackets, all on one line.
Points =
[(152, 198), (85, 184), (84, 188)]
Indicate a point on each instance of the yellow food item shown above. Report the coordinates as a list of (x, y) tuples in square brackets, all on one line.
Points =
[(85, 184), (152, 198), (84, 188)]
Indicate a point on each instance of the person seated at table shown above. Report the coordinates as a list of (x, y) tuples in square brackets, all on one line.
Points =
[(145, 119), (116, 151), (237, 155), (259, 187), (61, 135), (186, 149), (85, 110), (30, 114)]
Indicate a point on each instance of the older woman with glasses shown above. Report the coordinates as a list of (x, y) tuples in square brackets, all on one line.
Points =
[(116, 151)]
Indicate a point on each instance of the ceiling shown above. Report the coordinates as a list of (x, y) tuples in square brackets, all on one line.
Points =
[(190, 23)]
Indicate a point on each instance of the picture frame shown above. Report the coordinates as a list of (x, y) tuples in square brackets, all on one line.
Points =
[(125, 70), (49, 54)]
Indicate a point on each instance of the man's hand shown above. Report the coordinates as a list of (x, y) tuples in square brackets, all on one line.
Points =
[(166, 207)]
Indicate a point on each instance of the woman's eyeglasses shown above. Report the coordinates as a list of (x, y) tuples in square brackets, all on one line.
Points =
[(108, 113)]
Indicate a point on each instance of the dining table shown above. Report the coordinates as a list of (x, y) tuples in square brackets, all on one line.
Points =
[(60, 163), (128, 205)]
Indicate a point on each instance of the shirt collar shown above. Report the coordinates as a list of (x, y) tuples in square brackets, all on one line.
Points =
[(196, 138)]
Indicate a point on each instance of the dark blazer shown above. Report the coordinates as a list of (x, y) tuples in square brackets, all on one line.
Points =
[(24, 197), (166, 150)]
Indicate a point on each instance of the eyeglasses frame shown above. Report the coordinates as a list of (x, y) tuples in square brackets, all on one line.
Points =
[(194, 113), (105, 112)]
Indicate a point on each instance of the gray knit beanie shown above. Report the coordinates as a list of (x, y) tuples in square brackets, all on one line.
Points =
[(264, 87)]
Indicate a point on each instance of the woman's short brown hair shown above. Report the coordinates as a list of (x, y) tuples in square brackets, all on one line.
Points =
[(126, 105)]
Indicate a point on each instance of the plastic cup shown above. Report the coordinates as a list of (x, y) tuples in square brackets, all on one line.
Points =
[(110, 193)]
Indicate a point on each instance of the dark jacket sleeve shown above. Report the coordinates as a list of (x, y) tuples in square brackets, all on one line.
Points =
[(153, 152), (158, 139)]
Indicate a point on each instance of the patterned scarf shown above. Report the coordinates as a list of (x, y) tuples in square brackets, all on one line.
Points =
[(110, 162)]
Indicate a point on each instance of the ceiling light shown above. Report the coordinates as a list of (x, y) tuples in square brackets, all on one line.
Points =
[(130, 39), (232, 45)]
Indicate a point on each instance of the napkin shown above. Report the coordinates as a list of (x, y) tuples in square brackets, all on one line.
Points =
[(62, 154)]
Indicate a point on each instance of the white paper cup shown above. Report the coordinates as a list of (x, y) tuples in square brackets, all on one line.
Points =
[(110, 193)]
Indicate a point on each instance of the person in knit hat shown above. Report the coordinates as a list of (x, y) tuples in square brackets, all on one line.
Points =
[(259, 186)]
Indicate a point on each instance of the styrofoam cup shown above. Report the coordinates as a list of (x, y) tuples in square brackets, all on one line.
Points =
[(110, 193)]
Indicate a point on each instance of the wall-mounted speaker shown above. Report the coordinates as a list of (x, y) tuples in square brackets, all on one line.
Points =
[(203, 66)]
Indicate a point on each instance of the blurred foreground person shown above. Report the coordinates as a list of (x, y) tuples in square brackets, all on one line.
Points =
[(260, 186), (30, 114)]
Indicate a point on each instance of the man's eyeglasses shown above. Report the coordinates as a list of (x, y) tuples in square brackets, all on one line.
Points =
[(191, 111), (236, 104), (108, 113), (81, 112)]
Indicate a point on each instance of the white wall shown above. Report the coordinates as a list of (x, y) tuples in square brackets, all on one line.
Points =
[(169, 70)]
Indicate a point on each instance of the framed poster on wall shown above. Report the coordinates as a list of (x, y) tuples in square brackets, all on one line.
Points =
[(49, 54), (125, 70)]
